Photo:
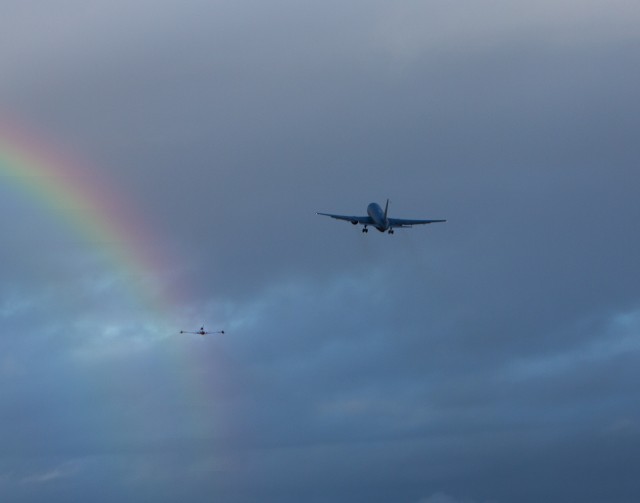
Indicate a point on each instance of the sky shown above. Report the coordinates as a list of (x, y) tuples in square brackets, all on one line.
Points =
[(168, 160)]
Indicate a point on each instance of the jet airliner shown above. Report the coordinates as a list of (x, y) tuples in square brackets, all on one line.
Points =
[(379, 219), (202, 332)]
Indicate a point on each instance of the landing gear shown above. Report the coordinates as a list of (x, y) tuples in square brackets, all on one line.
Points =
[(365, 230), (391, 231)]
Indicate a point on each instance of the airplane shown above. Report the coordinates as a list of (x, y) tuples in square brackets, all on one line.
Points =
[(378, 218), (202, 332)]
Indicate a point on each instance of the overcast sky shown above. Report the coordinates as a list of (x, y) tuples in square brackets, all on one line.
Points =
[(493, 358)]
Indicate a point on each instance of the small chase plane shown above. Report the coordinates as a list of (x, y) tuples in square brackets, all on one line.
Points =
[(379, 219), (202, 332)]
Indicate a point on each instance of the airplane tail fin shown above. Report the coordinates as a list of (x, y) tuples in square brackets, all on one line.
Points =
[(386, 209)]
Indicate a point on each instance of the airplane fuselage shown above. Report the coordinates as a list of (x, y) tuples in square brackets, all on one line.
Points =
[(376, 213)]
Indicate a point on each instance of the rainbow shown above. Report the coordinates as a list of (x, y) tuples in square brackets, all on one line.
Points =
[(88, 203), (79, 195)]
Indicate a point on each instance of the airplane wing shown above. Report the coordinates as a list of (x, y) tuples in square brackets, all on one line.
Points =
[(403, 222), (354, 220)]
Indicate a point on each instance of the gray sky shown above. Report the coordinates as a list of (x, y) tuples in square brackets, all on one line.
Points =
[(493, 358)]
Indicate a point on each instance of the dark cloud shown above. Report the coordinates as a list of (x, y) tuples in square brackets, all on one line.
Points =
[(491, 358)]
